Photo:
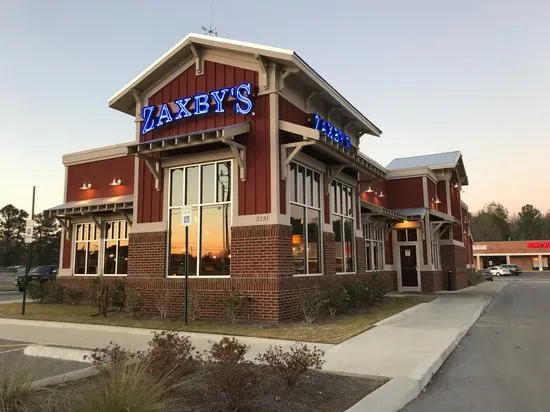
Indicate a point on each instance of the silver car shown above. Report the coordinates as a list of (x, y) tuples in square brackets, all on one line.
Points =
[(499, 271)]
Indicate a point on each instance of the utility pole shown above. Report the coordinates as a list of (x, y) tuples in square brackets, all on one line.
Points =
[(28, 240)]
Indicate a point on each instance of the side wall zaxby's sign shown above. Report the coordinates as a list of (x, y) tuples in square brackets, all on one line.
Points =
[(538, 244)]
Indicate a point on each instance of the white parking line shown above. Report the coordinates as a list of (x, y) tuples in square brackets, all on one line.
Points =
[(12, 350)]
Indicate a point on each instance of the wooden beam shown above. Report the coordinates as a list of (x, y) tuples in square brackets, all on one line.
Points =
[(154, 167), (199, 61), (239, 154), (263, 68)]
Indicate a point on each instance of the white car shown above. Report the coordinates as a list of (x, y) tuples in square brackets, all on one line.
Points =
[(499, 271)]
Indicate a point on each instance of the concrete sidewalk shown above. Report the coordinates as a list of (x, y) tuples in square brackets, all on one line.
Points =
[(408, 347)]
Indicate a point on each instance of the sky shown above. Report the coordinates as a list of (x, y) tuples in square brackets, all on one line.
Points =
[(468, 75)]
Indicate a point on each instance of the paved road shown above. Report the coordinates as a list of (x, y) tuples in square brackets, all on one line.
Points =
[(502, 364), (10, 296), (13, 358)]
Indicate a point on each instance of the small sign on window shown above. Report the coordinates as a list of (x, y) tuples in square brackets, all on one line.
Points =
[(407, 252), (186, 214)]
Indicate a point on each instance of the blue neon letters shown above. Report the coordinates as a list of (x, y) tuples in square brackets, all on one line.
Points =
[(328, 129), (201, 104)]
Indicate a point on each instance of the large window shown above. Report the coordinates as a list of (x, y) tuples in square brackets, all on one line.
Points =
[(206, 188), (374, 246), (115, 260), (86, 249), (343, 212), (305, 219)]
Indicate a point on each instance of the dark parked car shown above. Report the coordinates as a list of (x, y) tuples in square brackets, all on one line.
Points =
[(42, 273)]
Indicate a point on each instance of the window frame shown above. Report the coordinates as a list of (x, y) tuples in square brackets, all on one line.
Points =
[(343, 217), (104, 240), (307, 207), (197, 207), (75, 243), (374, 234)]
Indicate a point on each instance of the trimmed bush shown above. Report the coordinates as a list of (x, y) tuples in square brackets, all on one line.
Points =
[(376, 289), (357, 294), (47, 292), (292, 365), (234, 304), (312, 304), (336, 298)]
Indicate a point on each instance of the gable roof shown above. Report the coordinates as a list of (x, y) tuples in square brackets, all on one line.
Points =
[(435, 161), (123, 100)]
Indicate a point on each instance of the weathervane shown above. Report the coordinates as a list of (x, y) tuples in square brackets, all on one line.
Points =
[(211, 31)]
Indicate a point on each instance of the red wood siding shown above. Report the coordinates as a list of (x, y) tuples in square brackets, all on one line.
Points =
[(67, 252), (405, 193), (377, 186), (431, 194), (290, 113), (100, 174), (455, 198), (254, 193), (442, 194)]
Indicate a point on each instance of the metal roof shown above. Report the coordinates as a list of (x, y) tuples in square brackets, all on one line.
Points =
[(435, 161), (123, 100), (103, 204), (413, 212)]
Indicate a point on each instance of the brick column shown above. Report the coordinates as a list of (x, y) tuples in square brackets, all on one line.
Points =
[(147, 254), (361, 257), (329, 254)]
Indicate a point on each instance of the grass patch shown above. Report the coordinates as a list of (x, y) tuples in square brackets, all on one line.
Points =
[(329, 330)]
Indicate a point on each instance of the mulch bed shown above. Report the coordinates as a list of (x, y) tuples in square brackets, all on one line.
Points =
[(315, 392)]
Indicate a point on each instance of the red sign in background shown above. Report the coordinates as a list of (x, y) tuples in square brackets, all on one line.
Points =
[(534, 245)]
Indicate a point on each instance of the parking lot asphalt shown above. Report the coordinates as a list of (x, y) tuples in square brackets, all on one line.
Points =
[(13, 358)]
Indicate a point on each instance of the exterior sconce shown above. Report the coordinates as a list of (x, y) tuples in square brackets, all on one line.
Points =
[(380, 194), (116, 181), (369, 190), (436, 200), (456, 186), (86, 185)]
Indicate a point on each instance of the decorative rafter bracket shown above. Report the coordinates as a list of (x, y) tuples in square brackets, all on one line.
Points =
[(331, 112), (309, 96), (436, 226), (347, 125), (127, 217), (239, 153), (97, 221), (65, 224), (199, 61), (263, 67), (287, 157), (287, 71), (332, 173), (154, 166)]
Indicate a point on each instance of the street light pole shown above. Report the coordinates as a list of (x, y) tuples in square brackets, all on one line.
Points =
[(29, 257)]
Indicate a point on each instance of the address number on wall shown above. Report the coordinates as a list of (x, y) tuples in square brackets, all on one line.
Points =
[(262, 218)]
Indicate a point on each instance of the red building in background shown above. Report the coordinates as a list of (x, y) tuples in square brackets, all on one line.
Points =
[(258, 157)]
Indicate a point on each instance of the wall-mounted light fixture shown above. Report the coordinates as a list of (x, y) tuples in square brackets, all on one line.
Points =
[(117, 181), (86, 185), (436, 200), (456, 186), (369, 190), (380, 194)]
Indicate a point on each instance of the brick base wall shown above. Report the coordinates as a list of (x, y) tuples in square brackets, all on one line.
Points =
[(454, 258), (432, 281), (147, 254)]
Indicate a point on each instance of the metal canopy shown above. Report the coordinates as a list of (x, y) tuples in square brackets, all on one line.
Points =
[(377, 210), (146, 150), (99, 205), (342, 158)]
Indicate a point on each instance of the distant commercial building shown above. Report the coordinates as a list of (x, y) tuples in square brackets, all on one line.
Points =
[(527, 254), (260, 156)]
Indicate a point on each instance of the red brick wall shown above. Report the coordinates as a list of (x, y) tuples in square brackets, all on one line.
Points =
[(432, 281), (361, 257), (519, 246), (147, 254), (329, 254), (405, 193), (454, 258)]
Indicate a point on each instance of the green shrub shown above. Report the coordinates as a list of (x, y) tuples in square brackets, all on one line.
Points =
[(111, 356), (357, 294), (47, 292), (336, 298), (234, 304), (74, 296), (290, 366), (36, 292), (376, 289), (230, 376), (117, 295), (312, 304), (133, 301)]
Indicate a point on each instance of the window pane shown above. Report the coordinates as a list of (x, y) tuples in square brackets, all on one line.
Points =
[(316, 190), (401, 235), (292, 182), (338, 198), (176, 187), (208, 183), (375, 255), (224, 182), (412, 235), (85, 231), (338, 243), (309, 188), (80, 258), (314, 241), (298, 238), (349, 202), (368, 254), (122, 267), (215, 240), (93, 255), (192, 185), (333, 196), (348, 244), (176, 264), (109, 261), (300, 185)]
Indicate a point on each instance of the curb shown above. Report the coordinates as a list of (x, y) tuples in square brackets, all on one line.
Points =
[(54, 352), (65, 377), (401, 314), (398, 392)]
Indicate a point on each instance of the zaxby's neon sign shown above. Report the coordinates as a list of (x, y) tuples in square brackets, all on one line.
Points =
[(330, 131), (198, 104)]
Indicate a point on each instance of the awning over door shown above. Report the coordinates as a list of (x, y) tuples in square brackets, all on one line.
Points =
[(99, 205), (377, 210)]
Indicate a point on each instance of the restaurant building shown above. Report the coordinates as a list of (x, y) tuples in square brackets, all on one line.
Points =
[(529, 255), (258, 157)]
